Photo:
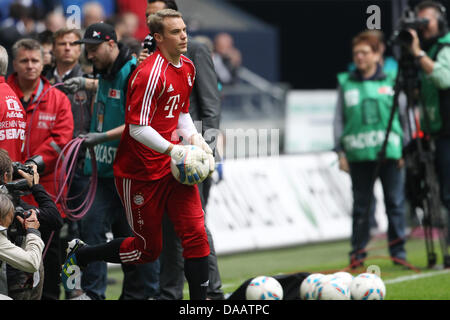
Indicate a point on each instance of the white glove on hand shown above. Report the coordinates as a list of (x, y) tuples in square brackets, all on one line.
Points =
[(199, 141), (73, 85), (188, 160)]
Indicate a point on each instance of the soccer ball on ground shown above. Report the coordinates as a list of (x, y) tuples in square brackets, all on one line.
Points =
[(308, 285), (346, 277), (195, 162), (332, 288), (367, 286), (264, 288)]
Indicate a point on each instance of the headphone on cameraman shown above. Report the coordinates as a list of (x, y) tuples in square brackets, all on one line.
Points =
[(442, 20)]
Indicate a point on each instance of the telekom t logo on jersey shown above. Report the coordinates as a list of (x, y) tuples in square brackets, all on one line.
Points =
[(172, 104)]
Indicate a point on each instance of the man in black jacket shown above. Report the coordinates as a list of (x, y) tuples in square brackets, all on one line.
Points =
[(204, 109), (67, 55), (20, 284)]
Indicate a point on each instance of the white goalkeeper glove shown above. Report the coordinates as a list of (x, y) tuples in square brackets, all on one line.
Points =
[(187, 160), (199, 141)]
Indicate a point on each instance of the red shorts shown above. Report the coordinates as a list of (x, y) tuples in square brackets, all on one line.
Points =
[(145, 202)]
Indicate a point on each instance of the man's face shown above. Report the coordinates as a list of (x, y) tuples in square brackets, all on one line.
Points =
[(432, 29), (154, 7), (100, 54), (174, 38), (28, 64), (65, 50), (364, 57)]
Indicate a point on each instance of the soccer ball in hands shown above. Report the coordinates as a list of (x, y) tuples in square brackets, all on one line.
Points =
[(193, 168), (308, 285), (367, 286), (264, 288)]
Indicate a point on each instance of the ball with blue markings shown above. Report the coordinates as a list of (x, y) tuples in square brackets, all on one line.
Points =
[(264, 288), (333, 289), (193, 168), (367, 286), (307, 287)]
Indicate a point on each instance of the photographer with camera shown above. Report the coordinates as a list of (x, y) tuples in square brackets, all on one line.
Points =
[(19, 179), (431, 47), (27, 258)]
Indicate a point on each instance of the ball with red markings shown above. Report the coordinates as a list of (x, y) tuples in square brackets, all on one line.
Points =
[(367, 286), (264, 288)]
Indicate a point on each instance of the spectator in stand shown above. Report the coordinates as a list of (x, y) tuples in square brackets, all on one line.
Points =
[(92, 13), (138, 8), (108, 7), (54, 21), (22, 24), (126, 26), (5, 14), (227, 59), (45, 38)]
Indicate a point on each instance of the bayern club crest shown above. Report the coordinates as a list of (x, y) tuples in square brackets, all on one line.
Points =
[(138, 199)]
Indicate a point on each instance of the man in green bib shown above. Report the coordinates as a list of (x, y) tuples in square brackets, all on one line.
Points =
[(431, 47), (365, 100)]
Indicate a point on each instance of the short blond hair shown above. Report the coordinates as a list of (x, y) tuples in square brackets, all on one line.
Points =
[(155, 21)]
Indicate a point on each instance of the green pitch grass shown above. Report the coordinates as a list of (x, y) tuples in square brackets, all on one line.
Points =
[(328, 258)]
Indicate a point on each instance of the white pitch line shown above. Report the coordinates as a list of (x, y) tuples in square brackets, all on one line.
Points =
[(417, 276)]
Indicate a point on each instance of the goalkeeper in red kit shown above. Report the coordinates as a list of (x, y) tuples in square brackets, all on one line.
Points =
[(157, 113)]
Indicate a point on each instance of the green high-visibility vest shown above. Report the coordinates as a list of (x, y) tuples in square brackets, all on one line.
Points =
[(430, 94), (109, 113), (367, 108)]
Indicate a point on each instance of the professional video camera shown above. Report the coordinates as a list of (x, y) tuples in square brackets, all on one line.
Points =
[(422, 186), (408, 21)]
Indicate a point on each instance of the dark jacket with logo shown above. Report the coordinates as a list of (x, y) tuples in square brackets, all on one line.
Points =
[(81, 100)]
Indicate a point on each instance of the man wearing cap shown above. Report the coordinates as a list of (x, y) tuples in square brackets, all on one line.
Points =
[(114, 64)]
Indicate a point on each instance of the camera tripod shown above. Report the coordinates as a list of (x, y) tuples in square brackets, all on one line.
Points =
[(419, 159)]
